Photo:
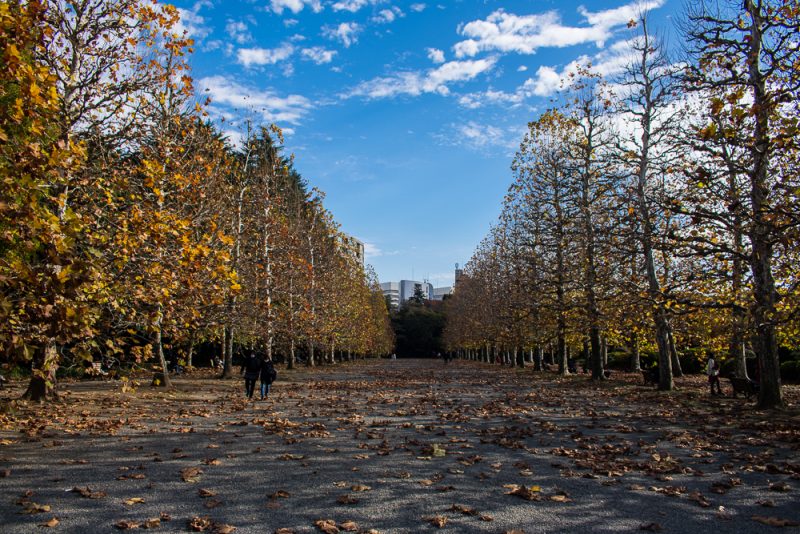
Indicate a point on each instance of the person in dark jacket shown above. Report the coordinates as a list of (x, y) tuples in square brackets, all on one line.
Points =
[(251, 367), (268, 375)]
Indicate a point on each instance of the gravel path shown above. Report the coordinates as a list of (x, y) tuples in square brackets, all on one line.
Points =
[(398, 446)]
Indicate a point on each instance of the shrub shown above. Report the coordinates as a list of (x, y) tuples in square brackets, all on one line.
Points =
[(619, 360)]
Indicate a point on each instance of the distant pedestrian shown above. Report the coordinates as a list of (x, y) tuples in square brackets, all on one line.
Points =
[(268, 376), (251, 367), (712, 370)]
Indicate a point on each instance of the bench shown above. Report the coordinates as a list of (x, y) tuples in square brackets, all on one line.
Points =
[(743, 385), (650, 376)]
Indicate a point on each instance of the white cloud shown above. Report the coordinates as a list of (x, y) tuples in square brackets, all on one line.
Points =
[(351, 5), (295, 6), (264, 56), (607, 63), (191, 23), (387, 16), (416, 83), (371, 250), (272, 108), (506, 32), (479, 136), (318, 55), (290, 22), (238, 31), (522, 68), (477, 100), (435, 55), (418, 7), (346, 32)]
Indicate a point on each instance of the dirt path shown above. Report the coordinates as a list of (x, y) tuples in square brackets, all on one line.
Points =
[(399, 446)]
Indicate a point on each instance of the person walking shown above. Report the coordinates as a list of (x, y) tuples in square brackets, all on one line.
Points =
[(251, 367), (712, 370), (268, 376)]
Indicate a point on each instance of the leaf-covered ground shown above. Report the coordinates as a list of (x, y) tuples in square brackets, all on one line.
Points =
[(399, 446)]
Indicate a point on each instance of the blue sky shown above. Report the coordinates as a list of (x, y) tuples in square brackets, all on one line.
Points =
[(406, 113)]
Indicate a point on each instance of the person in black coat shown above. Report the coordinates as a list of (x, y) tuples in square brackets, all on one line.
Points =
[(268, 375), (251, 367)]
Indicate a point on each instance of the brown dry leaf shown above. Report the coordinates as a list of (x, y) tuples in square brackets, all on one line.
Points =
[(559, 497), (486, 517), (766, 503), (153, 522), (285, 531), (698, 497), (525, 492), (200, 524), (211, 461), (203, 492), (52, 523), (359, 487), (288, 456), (31, 507), (349, 526), (89, 493), (328, 526), (775, 521), (466, 510), (347, 499), (438, 521), (133, 500), (280, 494), (221, 528), (191, 474), (652, 527), (126, 524), (164, 516), (515, 531), (780, 486)]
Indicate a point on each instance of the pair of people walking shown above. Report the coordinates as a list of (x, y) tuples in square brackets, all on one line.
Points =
[(255, 368)]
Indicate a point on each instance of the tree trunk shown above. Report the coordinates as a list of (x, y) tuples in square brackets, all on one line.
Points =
[(762, 226), (291, 363), (42, 386), (166, 382), (227, 346), (190, 353), (673, 352), (310, 362), (539, 365), (636, 362)]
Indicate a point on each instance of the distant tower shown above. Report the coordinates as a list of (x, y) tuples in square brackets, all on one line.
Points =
[(459, 274)]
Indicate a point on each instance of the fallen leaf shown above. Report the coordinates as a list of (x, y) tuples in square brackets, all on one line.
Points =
[(126, 524), (280, 494), (438, 521), (346, 499), (203, 492), (775, 521), (780, 486), (53, 522), (191, 474), (133, 500), (328, 526), (359, 487), (89, 493), (349, 526), (652, 527), (200, 524)]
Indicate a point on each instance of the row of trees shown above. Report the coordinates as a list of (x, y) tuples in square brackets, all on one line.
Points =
[(656, 208), (129, 224)]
